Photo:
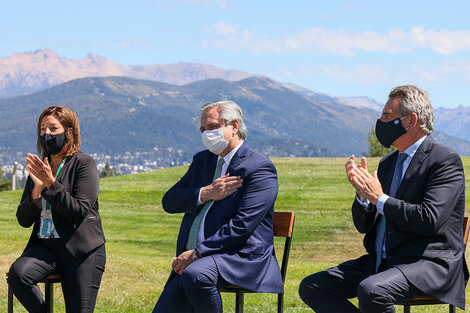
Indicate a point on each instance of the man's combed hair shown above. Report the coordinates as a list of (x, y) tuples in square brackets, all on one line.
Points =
[(229, 111), (417, 100)]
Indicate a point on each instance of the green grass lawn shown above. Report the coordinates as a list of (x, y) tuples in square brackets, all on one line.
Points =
[(141, 237)]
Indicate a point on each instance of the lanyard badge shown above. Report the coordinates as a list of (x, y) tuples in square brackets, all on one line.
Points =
[(46, 229)]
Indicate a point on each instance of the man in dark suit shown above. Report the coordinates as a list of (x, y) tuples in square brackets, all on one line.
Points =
[(411, 211), (226, 236)]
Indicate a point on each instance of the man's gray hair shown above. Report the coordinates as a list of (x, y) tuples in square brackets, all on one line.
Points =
[(417, 100), (229, 111)]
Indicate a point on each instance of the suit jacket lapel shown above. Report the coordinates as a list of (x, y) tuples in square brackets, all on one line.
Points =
[(208, 173), (420, 155), (237, 158)]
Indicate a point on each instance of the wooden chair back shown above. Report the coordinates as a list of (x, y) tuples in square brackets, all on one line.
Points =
[(466, 229), (283, 225)]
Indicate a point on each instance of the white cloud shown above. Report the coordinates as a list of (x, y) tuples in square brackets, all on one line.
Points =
[(445, 73), (340, 41), (224, 28), (444, 41), (457, 69), (208, 3), (174, 4), (327, 17), (231, 37), (360, 74)]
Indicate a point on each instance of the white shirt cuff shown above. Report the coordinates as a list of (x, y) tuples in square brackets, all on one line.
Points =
[(199, 202), (365, 203), (381, 202)]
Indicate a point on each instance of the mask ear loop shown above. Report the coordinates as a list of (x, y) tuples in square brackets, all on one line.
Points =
[(403, 119), (233, 134)]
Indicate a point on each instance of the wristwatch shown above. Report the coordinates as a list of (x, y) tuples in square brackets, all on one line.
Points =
[(194, 255)]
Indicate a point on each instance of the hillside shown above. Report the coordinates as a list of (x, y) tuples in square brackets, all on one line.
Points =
[(286, 119), (455, 121), (138, 121), (122, 115)]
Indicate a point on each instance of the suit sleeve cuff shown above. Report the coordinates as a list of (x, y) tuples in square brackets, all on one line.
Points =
[(381, 203), (37, 202)]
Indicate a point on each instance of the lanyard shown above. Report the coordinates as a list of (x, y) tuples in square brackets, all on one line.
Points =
[(48, 206)]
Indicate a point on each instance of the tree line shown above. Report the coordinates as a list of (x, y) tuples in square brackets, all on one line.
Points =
[(5, 184)]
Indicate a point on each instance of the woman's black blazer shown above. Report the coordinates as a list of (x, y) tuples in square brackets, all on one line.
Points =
[(74, 204)]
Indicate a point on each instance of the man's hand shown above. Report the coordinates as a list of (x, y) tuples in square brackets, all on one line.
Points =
[(351, 167), (221, 188), (366, 185), (181, 262)]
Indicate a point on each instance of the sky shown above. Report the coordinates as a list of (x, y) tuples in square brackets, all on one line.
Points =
[(340, 48)]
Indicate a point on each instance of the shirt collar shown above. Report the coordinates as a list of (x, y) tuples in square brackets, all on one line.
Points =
[(414, 147), (230, 155)]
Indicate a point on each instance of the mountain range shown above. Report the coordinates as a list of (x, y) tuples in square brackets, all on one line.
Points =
[(24, 73), (454, 121), (123, 116)]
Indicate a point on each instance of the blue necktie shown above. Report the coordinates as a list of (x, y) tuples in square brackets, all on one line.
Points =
[(193, 231), (379, 240)]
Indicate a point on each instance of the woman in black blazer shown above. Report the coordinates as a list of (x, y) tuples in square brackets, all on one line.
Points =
[(61, 201)]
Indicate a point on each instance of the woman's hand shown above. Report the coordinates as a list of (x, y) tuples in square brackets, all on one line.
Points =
[(40, 172)]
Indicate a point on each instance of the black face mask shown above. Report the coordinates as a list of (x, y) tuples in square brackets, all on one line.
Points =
[(388, 132), (53, 143)]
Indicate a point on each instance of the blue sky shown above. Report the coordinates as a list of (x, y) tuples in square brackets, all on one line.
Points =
[(341, 48)]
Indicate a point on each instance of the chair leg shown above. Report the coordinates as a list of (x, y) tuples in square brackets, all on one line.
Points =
[(239, 302), (10, 299), (280, 303), (451, 308), (406, 308), (49, 296)]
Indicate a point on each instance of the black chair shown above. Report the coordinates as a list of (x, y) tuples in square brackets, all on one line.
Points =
[(430, 300), (283, 224), (48, 297)]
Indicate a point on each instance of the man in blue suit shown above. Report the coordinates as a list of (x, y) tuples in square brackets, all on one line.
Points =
[(226, 236)]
